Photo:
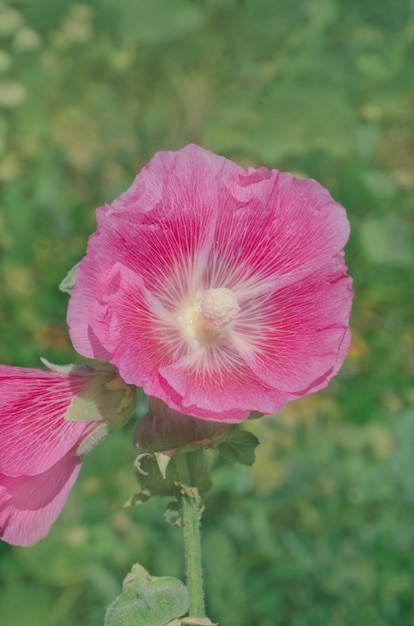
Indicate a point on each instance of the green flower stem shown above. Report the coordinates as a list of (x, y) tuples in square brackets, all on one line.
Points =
[(190, 511), (190, 508)]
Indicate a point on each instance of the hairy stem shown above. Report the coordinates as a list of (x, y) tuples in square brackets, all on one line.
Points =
[(190, 508)]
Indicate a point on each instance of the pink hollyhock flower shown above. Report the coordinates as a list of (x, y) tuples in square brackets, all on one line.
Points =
[(217, 289), (48, 421)]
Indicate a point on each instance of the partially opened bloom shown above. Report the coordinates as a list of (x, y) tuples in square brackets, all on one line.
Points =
[(48, 421), (218, 290)]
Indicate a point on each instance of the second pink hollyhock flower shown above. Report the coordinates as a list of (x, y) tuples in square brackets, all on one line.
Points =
[(218, 290), (48, 421)]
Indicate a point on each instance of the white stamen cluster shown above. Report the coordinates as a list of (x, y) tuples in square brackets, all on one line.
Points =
[(204, 320), (219, 307)]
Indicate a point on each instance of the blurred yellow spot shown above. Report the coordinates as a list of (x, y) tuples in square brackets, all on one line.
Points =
[(371, 112), (91, 485), (77, 27), (27, 40), (404, 178), (10, 20), (359, 347), (12, 94), (122, 523), (18, 280), (76, 132), (77, 536)]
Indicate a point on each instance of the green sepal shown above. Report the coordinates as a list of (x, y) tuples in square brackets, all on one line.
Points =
[(68, 282), (106, 398), (163, 459), (238, 445), (138, 498), (151, 480), (172, 514), (154, 481), (164, 437), (148, 600)]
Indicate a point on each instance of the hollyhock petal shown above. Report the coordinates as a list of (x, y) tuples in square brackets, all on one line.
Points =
[(228, 389), (29, 505), (293, 337), (33, 432), (168, 173), (174, 401), (129, 326), (287, 230)]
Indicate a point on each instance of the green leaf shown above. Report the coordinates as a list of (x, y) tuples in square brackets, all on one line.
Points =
[(147, 600), (239, 446)]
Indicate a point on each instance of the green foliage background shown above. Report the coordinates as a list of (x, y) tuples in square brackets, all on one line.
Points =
[(321, 531)]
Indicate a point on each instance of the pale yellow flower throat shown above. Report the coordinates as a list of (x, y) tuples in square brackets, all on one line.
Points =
[(204, 319)]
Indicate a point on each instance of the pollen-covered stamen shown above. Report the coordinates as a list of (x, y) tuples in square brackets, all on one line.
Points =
[(219, 307), (203, 320)]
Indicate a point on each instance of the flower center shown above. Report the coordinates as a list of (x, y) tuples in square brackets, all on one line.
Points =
[(204, 320), (219, 307)]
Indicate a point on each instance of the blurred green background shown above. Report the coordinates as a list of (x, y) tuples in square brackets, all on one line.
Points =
[(321, 531)]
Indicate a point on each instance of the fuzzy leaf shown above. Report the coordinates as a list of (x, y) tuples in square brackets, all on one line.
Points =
[(239, 446), (147, 600)]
